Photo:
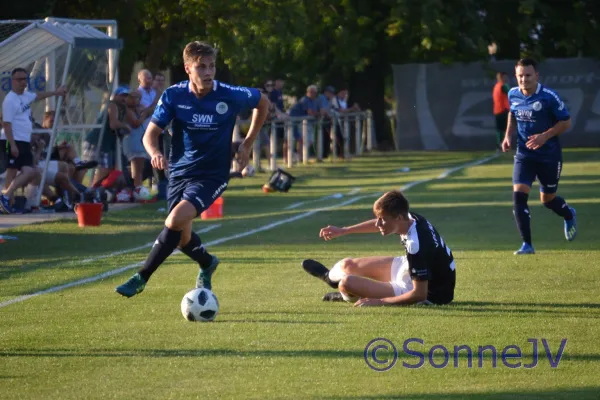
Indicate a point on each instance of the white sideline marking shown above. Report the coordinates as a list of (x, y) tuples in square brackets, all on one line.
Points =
[(140, 263), (354, 191), (239, 235), (149, 244), (300, 203)]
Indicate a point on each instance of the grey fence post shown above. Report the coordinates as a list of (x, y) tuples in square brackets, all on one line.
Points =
[(358, 134), (236, 135), (305, 142), (346, 137), (320, 140), (369, 130), (290, 144), (256, 150), (273, 160), (333, 137)]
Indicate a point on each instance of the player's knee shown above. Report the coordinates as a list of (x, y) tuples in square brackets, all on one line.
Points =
[(347, 284), (176, 221), (547, 198), (348, 265)]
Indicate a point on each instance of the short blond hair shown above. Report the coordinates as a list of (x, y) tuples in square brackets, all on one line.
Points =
[(392, 204), (195, 50)]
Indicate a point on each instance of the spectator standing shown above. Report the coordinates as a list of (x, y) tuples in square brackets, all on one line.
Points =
[(15, 138), (306, 106), (501, 106)]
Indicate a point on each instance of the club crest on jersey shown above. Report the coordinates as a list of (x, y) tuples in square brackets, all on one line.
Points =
[(537, 106), (222, 108)]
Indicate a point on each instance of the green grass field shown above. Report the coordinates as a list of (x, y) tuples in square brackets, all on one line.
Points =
[(274, 337)]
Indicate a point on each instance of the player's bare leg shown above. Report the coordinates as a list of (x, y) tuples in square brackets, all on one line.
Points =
[(354, 287), (376, 268)]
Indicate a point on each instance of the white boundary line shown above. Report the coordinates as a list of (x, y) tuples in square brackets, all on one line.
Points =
[(241, 235), (149, 244), (300, 203)]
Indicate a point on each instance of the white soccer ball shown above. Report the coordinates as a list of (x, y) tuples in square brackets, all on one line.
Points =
[(200, 305), (248, 171)]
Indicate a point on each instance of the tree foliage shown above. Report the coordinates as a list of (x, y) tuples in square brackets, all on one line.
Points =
[(339, 42)]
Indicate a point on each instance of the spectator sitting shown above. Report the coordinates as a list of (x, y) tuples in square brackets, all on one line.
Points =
[(114, 126), (306, 106), (65, 152), (57, 175)]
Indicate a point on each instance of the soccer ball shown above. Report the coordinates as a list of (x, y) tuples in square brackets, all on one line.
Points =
[(200, 305), (248, 171)]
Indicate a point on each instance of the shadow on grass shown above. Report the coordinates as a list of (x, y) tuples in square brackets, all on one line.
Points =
[(567, 393), (487, 356), (526, 304)]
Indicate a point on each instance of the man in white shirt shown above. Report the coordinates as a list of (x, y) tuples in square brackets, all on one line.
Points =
[(16, 135), (150, 95)]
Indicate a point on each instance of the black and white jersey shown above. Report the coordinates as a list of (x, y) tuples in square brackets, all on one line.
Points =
[(430, 259)]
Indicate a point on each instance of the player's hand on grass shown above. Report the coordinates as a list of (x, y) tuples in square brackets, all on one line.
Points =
[(158, 161), (366, 302), (243, 155), (331, 232), (536, 141), (506, 144)]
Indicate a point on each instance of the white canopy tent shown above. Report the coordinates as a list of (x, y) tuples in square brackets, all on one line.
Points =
[(73, 53)]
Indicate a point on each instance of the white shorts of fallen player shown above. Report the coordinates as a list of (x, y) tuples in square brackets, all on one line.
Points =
[(399, 279)]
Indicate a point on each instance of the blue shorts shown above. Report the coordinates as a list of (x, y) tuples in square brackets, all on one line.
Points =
[(547, 172), (198, 191)]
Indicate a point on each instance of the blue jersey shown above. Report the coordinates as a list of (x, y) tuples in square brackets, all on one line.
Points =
[(202, 129), (536, 114)]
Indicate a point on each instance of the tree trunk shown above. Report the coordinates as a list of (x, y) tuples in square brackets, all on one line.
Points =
[(159, 42), (367, 88)]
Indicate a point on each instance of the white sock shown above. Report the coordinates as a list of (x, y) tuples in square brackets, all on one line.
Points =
[(336, 273)]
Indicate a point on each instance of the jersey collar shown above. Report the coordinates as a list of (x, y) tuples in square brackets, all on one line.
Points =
[(412, 227), (537, 90), (215, 85)]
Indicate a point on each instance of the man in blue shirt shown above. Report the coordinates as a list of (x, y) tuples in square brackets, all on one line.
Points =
[(306, 106), (539, 116), (203, 113)]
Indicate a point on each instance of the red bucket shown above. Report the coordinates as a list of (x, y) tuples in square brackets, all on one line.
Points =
[(88, 214), (214, 211)]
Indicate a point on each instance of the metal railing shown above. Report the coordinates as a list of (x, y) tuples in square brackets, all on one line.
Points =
[(354, 129)]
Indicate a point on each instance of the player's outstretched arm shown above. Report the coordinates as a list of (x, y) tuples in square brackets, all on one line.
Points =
[(332, 232), (151, 145), (258, 119)]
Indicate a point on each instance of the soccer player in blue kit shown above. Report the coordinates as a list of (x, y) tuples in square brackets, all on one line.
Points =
[(539, 116), (203, 113)]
